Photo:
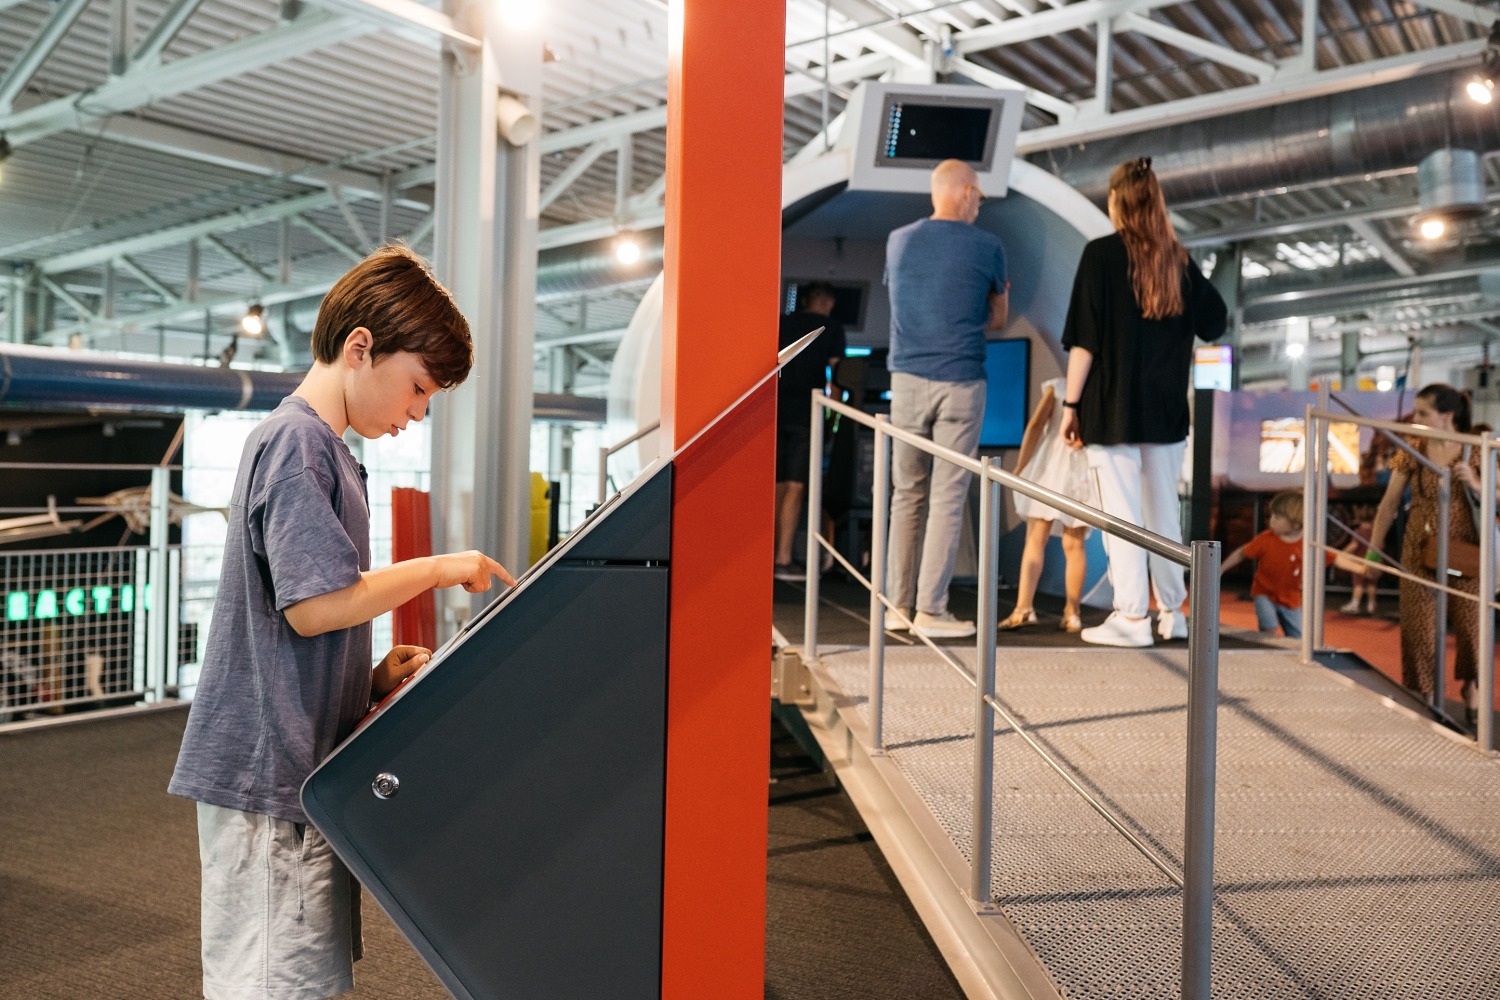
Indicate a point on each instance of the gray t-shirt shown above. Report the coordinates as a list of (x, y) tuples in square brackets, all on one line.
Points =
[(271, 705), (941, 274)]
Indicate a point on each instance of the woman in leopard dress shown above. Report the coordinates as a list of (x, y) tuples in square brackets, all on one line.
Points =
[(1440, 407)]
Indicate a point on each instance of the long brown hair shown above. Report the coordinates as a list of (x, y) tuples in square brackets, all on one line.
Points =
[(1156, 258)]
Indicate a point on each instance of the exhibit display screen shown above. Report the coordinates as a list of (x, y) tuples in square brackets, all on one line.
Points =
[(1283, 450), (926, 134), (1007, 373), (1213, 367)]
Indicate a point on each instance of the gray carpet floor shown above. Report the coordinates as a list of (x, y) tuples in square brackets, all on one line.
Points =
[(99, 882)]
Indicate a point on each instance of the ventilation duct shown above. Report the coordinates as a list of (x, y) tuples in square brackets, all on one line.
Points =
[(58, 379), (1389, 127), (1450, 186), (587, 267)]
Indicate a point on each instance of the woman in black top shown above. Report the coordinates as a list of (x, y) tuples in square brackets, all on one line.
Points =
[(1138, 302)]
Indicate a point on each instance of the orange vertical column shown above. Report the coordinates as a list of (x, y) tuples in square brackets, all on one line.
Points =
[(723, 247)]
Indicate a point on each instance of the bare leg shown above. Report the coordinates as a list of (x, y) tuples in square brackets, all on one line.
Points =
[(1077, 566), (1032, 558), (788, 513)]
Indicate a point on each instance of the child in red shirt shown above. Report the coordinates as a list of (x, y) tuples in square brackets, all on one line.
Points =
[(1277, 588)]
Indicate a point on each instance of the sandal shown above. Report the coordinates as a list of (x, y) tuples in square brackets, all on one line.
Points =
[(1071, 623), (1018, 619)]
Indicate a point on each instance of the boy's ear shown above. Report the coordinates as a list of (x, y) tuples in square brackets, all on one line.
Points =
[(357, 346)]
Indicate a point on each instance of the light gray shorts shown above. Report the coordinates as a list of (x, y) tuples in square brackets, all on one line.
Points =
[(280, 910)]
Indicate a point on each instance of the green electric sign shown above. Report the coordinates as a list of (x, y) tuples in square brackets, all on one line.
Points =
[(21, 605)]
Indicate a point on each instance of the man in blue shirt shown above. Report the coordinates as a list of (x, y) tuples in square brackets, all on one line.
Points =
[(948, 292)]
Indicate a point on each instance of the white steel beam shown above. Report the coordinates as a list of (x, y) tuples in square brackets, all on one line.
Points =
[(361, 236), (1307, 59), (148, 53), (239, 258), (226, 302), (228, 222), (311, 31), (1104, 65), (31, 58), (1196, 44), (148, 279), (1044, 24), (1464, 10), (1367, 231), (642, 217), (328, 238), (1283, 87), (83, 311), (1064, 110), (406, 18), (203, 148), (574, 170)]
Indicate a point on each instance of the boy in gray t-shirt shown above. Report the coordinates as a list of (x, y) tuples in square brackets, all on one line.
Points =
[(287, 669)]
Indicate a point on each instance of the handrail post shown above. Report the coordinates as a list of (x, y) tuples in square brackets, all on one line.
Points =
[(1440, 595), (1310, 425), (1313, 616), (1486, 525), (158, 593), (1202, 749), (603, 474), (982, 825), (880, 513), (814, 524)]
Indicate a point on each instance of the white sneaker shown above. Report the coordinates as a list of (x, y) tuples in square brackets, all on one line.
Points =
[(1117, 630), (894, 624), (1171, 625), (943, 626)]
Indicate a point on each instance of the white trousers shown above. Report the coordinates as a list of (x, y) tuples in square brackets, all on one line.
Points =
[(1138, 483)]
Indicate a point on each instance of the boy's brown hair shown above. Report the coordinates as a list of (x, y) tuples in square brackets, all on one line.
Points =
[(1289, 506), (393, 294)]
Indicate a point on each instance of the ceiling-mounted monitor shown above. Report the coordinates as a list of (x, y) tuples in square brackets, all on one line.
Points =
[(904, 130)]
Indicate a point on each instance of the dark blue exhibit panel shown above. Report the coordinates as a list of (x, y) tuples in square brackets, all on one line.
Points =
[(522, 849), (1007, 374)]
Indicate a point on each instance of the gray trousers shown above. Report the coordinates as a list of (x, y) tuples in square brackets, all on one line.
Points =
[(927, 497)]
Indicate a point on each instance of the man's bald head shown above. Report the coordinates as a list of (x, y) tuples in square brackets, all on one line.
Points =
[(955, 191)]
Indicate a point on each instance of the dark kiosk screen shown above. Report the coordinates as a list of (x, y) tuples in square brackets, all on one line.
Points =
[(930, 133)]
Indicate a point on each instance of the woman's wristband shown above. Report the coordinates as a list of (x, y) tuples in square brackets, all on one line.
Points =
[(1071, 406)]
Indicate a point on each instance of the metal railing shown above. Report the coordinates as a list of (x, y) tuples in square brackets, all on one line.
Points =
[(608, 450), (89, 626), (1202, 558), (1315, 542)]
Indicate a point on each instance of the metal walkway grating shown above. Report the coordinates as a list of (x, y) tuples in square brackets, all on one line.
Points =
[(1358, 850)]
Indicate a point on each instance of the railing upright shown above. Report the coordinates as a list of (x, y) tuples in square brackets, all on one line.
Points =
[(814, 525), (157, 596), (1486, 594), (1313, 618), (1311, 556), (1440, 596), (982, 824), (880, 515), (1202, 760)]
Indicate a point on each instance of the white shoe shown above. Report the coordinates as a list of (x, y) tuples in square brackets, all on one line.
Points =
[(894, 624), (943, 626), (1171, 625), (1117, 630)]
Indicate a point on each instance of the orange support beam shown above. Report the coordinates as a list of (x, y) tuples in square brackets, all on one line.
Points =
[(723, 262)]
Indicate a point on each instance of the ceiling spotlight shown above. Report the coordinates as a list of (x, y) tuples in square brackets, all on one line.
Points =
[(1295, 349), (1432, 228), (1481, 89), (519, 13), (1384, 385), (627, 248), (254, 321)]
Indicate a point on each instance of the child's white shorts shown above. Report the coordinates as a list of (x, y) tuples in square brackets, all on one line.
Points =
[(280, 910)]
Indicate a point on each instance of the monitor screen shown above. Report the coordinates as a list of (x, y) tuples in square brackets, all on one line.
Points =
[(923, 135), (1007, 373), (1282, 446), (1213, 367), (848, 302)]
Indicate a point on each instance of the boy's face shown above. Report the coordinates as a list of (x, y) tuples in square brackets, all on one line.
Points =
[(388, 393), (1283, 525)]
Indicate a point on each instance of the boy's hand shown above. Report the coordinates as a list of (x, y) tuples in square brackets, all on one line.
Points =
[(471, 570), (400, 663)]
